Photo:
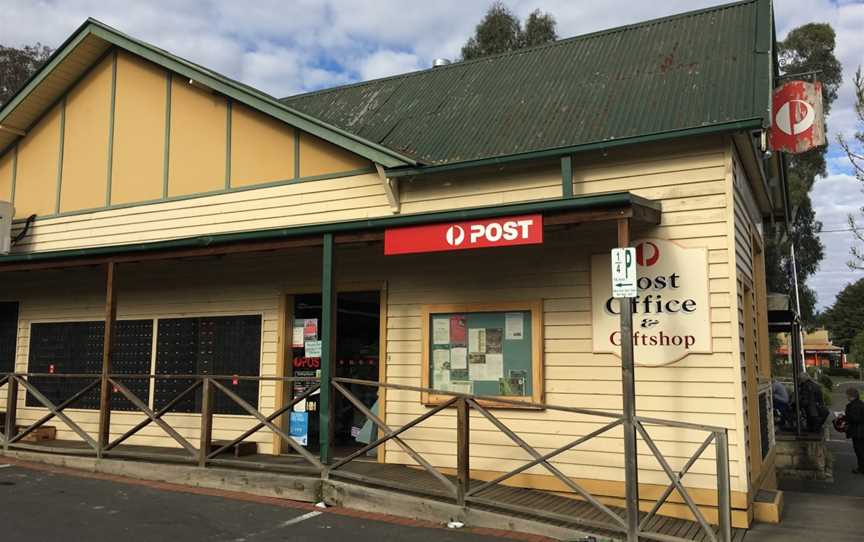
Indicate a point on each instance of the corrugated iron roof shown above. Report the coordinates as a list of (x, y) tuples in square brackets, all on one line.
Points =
[(693, 70)]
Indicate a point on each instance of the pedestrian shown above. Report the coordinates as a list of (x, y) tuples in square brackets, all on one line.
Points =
[(855, 425), (781, 402), (812, 403)]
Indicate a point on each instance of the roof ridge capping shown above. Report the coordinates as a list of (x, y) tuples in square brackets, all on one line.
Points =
[(526, 50)]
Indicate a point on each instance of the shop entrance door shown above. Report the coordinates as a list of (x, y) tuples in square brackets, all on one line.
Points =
[(358, 319)]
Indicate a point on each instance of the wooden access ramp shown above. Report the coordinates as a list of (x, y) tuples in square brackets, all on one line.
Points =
[(580, 512), (530, 504)]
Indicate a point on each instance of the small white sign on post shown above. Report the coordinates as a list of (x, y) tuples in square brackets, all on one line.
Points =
[(624, 272)]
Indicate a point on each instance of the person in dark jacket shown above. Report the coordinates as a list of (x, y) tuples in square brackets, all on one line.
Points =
[(812, 403), (855, 426)]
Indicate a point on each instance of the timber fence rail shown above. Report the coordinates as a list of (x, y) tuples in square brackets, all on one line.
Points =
[(464, 492), (203, 454), (15, 382), (461, 489)]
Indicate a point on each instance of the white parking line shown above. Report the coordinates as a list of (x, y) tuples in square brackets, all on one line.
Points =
[(298, 519)]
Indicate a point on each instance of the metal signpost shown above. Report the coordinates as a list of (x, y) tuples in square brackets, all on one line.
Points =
[(624, 287)]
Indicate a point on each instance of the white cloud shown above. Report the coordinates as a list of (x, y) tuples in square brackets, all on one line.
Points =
[(834, 198), (384, 63)]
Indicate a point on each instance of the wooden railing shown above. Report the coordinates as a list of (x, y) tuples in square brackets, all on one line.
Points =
[(464, 492), (13, 382), (462, 489), (201, 455)]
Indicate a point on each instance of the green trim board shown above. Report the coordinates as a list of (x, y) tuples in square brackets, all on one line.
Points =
[(219, 83), (764, 54), (328, 302), (60, 54), (228, 113), (485, 353), (14, 174), (612, 199), (111, 113), (167, 151), (750, 124), (60, 97), (166, 158), (567, 176), (60, 155), (269, 184), (296, 153), (250, 96)]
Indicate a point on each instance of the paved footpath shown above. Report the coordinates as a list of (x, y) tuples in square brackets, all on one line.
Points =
[(40, 503), (822, 511)]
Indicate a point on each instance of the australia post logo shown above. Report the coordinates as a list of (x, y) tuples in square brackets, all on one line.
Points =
[(493, 232), (647, 254), (798, 123)]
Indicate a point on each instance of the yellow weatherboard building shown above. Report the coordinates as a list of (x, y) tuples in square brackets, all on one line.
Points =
[(195, 263)]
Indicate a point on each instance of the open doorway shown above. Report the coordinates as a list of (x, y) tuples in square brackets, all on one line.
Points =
[(358, 321)]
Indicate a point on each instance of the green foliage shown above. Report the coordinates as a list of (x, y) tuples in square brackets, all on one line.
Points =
[(539, 29), (17, 65), (825, 383), (809, 251), (856, 349), (780, 366), (809, 48), (500, 32), (845, 319), (843, 372)]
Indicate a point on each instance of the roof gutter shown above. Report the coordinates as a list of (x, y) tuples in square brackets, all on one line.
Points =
[(741, 125), (614, 199)]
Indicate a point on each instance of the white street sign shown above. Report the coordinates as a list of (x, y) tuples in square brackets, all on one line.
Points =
[(624, 272)]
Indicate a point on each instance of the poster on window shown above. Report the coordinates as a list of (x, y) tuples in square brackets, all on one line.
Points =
[(299, 427)]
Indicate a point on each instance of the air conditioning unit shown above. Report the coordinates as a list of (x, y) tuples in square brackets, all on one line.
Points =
[(6, 214)]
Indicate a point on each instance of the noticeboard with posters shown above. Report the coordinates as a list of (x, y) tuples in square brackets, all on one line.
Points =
[(489, 350)]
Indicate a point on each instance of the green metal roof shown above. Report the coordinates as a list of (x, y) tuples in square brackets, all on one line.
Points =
[(693, 71)]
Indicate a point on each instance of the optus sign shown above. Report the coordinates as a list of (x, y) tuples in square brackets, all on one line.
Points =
[(493, 232), (671, 313)]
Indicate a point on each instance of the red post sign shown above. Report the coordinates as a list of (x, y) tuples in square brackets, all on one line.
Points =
[(798, 123), (493, 232)]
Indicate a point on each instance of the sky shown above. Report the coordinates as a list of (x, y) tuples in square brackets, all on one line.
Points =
[(285, 47)]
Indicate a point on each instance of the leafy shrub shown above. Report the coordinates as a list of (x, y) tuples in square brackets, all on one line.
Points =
[(842, 372), (827, 397)]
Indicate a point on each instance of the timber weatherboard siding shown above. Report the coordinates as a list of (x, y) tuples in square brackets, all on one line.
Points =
[(184, 292), (137, 134), (291, 204), (692, 182)]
